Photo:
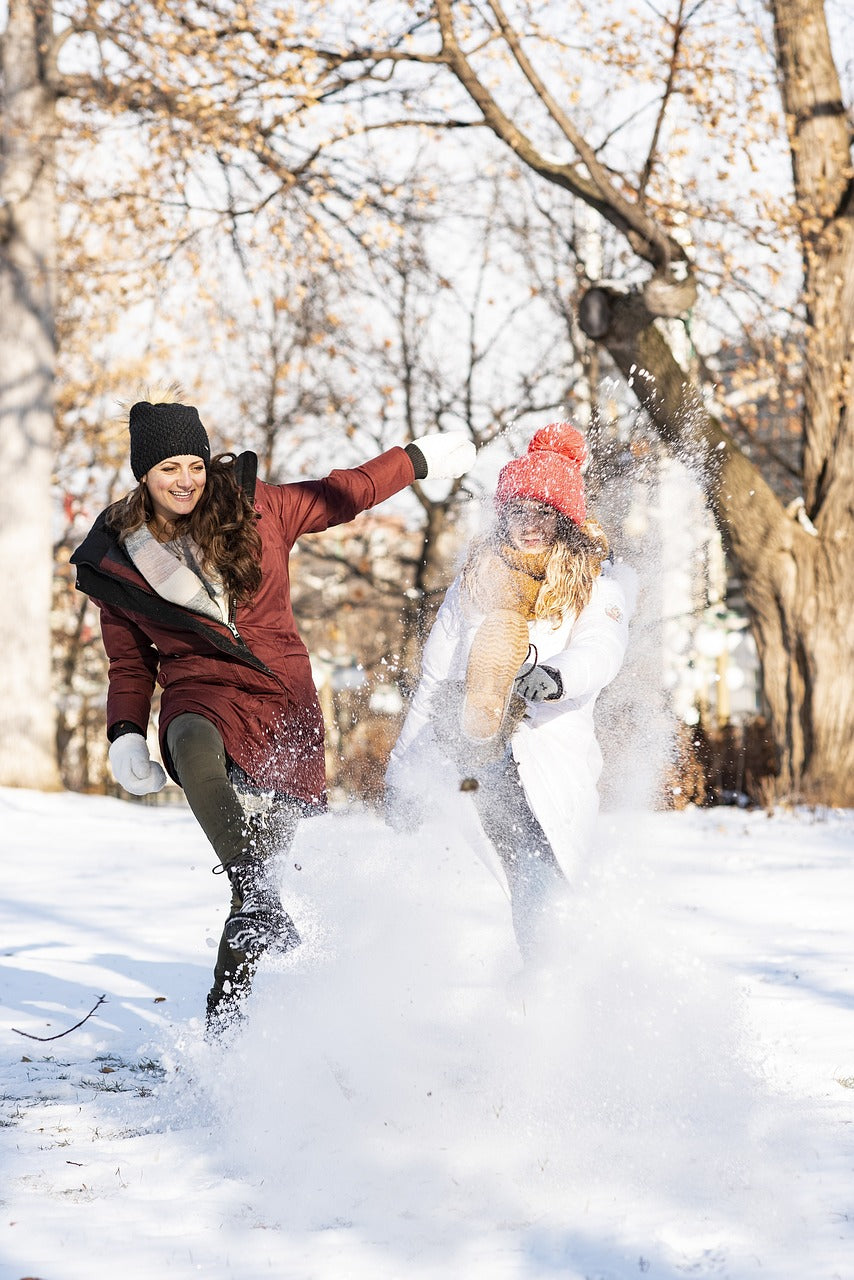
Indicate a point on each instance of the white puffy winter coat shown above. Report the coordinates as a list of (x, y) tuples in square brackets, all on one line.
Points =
[(555, 746)]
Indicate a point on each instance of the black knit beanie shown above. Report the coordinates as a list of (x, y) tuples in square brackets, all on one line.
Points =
[(159, 431)]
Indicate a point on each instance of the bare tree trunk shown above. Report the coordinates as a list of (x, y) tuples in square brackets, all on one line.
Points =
[(797, 565), (803, 612), (804, 605), (799, 584), (27, 268), (820, 145)]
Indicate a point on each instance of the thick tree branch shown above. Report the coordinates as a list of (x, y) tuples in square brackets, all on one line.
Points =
[(594, 186), (662, 250), (745, 506)]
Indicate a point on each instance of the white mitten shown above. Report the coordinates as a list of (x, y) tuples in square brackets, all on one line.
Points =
[(446, 455), (540, 684), (132, 766)]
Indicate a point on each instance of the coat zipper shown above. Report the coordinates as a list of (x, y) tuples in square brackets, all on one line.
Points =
[(151, 594), (239, 638), (231, 626)]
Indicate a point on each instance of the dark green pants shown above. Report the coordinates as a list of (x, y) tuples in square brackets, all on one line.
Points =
[(235, 832)]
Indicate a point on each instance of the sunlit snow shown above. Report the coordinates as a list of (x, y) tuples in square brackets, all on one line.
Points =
[(671, 1096)]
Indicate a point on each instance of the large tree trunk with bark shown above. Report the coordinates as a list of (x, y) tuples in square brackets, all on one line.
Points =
[(815, 577), (798, 580), (27, 281), (797, 564), (803, 613)]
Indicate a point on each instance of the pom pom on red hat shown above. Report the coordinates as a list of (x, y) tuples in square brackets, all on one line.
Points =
[(549, 472)]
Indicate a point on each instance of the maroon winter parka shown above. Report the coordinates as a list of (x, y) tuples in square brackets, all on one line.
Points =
[(255, 685)]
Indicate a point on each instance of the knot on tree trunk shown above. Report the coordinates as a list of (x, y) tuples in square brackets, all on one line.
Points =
[(596, 312), (607, 309), (662, 295), (670, 295)]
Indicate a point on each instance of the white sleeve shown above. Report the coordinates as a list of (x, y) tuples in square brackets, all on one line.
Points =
[(436, 662), (597, 644)]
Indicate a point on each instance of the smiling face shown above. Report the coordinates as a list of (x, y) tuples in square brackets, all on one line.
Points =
[(174, 487), (531, 526)]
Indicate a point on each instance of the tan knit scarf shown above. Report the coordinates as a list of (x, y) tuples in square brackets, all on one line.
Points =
[(173, 569), (503, 578)]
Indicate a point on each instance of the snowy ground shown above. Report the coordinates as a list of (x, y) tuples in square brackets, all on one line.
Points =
[(674, 1099)]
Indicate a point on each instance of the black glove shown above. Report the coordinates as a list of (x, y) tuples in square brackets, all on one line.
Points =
[(540, 684)]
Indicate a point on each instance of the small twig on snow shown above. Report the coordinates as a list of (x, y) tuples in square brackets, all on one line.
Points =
[(101, 1000)]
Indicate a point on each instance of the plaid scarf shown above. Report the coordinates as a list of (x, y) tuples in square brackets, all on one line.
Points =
[(173, 570)]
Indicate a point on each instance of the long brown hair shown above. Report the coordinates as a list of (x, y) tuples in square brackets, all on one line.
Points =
[(223, 525), (567, 577)]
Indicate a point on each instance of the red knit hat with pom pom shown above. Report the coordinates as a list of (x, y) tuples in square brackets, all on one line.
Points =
[(549, 472)]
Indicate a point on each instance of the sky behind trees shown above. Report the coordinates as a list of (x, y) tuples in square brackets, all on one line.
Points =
[(198, 149)]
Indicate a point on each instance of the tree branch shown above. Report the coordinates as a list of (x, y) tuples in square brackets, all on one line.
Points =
[(597, 190), (44, 1039), (744, 505), (678, 26)]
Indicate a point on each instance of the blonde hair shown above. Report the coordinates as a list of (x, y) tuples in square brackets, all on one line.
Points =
[(572, 569), (566, 576)]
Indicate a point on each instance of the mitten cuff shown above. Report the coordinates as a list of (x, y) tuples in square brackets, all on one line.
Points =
[(419, 462), (556, 676), (121, 727)]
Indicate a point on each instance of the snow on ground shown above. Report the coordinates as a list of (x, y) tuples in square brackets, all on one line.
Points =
[(671, 1097)]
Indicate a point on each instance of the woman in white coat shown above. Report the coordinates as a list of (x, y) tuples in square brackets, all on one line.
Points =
[(529, 634)]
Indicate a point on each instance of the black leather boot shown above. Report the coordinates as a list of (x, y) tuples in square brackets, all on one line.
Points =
[(259, 922)]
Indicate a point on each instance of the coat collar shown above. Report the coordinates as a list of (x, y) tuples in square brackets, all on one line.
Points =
[(106, 573)]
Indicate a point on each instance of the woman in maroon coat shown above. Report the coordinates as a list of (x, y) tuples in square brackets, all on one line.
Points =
[(190, 572)]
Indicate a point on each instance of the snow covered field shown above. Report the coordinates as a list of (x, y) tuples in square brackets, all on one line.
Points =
[(674, 1098)]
